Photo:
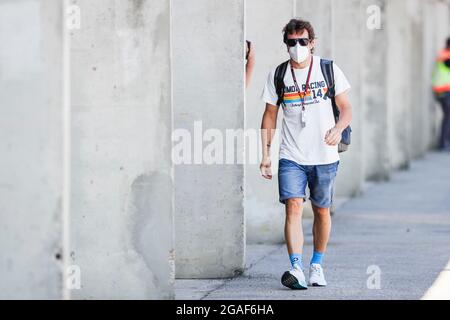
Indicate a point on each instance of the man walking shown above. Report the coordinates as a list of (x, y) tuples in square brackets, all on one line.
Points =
[(441, 88), (309, 146)]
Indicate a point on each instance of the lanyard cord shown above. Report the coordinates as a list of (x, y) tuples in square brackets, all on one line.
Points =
[(302, 99)]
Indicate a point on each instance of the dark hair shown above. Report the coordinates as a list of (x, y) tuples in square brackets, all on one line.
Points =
[(297, 26), (448, 43)]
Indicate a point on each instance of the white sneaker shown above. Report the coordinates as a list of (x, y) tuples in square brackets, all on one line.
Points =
[(316, 277), (294, 279)]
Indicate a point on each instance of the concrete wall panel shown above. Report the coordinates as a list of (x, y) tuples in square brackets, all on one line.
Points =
[(122, 185), (265, 215), (373, 90), (31, 149), (347, 52), (208, 39)]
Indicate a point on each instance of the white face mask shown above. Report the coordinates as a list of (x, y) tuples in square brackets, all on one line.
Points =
[(298, 53)]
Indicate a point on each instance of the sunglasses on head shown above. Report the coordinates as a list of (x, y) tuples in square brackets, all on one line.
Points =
[(302, 41)]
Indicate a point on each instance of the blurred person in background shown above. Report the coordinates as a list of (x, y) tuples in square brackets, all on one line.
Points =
[(250, 58), (441, 88)]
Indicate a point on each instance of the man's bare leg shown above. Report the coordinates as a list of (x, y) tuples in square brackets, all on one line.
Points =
[(321, 234), (295, 278), (321, 228), (293, 230)]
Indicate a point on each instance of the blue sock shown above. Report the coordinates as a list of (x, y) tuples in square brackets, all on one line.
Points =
[(317, 258), (296, 260)]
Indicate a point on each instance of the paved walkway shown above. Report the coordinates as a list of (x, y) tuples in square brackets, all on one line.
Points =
[(401, 228)]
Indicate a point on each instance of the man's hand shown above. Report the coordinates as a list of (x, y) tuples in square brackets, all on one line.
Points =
[(333, 136), (266, 168)]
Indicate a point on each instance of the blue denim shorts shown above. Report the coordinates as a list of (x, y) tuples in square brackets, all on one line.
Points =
[(293, 179)]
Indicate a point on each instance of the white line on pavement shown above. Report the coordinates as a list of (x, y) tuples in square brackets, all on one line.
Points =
[(440, 290)]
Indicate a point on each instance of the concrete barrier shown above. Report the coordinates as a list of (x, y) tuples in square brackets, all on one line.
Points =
[(122, 188), (264, 214), (31, 162), (208, 49), (374, 98)]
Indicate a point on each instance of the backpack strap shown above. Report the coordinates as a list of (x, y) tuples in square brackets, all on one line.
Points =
[(279, 81), (328, 74)]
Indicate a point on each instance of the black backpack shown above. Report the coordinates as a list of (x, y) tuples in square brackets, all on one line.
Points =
[(328, 74)]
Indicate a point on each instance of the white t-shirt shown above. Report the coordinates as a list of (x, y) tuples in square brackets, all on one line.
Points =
[(306, 146)]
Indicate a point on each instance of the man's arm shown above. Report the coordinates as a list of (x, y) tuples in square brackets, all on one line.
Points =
[(334, 136), (250, 65), (268, 126)]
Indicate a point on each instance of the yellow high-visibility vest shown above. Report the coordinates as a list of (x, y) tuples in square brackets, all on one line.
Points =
[(441, 74)]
